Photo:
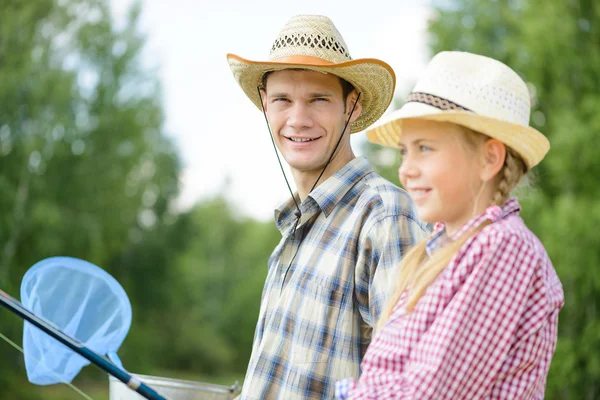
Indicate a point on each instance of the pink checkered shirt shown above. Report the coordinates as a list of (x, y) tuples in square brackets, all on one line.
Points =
[(485, 329)]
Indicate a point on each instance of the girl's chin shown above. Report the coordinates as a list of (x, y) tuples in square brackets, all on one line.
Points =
[(427, 216)]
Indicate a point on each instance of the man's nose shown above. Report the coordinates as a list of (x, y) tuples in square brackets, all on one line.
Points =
[(299, 116)]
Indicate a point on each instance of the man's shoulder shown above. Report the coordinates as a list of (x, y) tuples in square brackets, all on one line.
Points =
[(384, 197)]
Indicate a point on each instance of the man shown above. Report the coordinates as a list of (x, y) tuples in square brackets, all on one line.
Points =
[(344, 230)]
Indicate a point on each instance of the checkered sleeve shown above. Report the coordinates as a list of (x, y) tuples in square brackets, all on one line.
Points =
[(381, 251), (497, 309)]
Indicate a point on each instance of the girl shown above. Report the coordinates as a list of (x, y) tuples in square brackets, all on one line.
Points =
[(475, 311)]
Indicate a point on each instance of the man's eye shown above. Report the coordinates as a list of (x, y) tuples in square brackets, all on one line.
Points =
[(320, 99), (280, 99)]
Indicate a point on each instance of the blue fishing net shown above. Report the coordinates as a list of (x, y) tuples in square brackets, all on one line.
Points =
[(83, 301)]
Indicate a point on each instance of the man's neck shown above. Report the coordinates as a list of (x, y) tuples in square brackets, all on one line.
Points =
[(305, 180)]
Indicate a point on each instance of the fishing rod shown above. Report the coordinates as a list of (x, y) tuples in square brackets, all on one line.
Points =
[(50, 329)]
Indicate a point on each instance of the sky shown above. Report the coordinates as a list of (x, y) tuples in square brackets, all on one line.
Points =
[(221, 135)]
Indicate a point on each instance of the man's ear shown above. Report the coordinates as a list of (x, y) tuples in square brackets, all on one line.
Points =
[(352, 97), (493, 156)]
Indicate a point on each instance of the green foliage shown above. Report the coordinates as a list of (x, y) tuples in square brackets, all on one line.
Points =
[(199, 297), (87, 171)]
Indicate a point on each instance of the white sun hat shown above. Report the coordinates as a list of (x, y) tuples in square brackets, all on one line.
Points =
[(474, 91), (312, 42)]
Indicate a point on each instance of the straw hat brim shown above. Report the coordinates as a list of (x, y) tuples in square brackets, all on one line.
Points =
[(373, 78), (529, 143)]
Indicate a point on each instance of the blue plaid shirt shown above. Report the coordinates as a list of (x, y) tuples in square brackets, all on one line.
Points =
[(327, 282)]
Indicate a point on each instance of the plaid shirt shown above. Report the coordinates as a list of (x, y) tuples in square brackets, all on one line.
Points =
[(486, 328), (318, 307)]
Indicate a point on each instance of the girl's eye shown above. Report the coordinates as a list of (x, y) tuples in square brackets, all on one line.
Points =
[(402, 152), (424, 148)]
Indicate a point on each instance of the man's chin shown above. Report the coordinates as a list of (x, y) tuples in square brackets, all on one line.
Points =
[(306, 166)]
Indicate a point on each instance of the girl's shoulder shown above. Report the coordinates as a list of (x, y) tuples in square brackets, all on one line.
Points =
[(504, 243), (509, 244), (510, 230), (513, 248)]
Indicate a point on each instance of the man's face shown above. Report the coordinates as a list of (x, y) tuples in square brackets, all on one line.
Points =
[(307, 113)]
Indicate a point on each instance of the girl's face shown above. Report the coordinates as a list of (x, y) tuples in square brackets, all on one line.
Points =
[(443, 172)]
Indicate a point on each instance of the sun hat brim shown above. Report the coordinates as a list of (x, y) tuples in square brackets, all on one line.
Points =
[(529, 143), (374, 79)]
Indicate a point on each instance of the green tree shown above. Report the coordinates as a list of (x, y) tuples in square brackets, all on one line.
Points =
[(225, 266), (85, 167), (87, 171)]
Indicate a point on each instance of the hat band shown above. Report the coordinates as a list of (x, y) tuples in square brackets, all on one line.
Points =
[(435, 101), (308, 60)]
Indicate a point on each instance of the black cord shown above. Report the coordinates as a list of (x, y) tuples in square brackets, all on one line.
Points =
[(277, 154), (336, 146)]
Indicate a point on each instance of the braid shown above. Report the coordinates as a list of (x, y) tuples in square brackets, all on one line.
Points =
[(510, 175), (512, 171)]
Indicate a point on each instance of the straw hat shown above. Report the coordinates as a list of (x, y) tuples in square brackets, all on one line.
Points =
[(477, 92), (312, 42)]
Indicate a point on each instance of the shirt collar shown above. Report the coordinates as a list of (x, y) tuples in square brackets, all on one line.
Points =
[(493, 213), (326, 195)]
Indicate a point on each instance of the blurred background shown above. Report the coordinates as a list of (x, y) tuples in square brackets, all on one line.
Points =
[(125, 141)]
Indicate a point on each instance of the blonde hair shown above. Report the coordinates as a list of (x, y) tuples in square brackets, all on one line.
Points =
[(417, 272)]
